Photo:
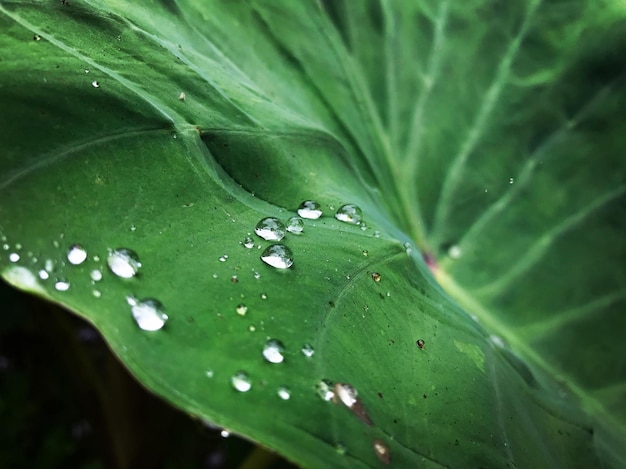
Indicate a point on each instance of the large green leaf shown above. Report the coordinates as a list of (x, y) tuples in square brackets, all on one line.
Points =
[(483, 141)]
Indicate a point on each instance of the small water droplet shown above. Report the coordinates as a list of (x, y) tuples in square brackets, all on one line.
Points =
[(511, 180), (43, 274), (324, 390), (248, 242), (310, 209), (270, 229), (284, 393), (278, 256), (36, 37), (242, 309), (97, 293), (295, 225), (340, 449), (95, 84), (263, 296), (86, 70), (18, 246), (376, 234), (497, 341), (234, 279), (76, 254), (454, 252), (133, 228), (346, 394), (382, 451), (96, 275), (5, 246), (251, 328), (308, 350), (376, 277), (365, 252), (349, 213), (182, 96), (149, 314), (123, 262), (241, 381), (420, 343), (256, 275), (49, 265), (209, 373), (61, 285), (273, 351), (14, 257)]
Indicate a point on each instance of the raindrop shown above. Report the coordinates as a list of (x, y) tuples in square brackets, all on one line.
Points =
[(420, 343), (382, 451), (263, 296), (209, 373), (340, 449), (349, 213), (241, 381), (95, 84), (278, 256), (511, 180), (346, 394), (61, 285), (242, 309), (256, 275), (149, 314), (273, 351), (284, 393), (97, 293), (308, 350), (123, 262), (270, 229), (76, 254), (376, 234), (224, 433), (182, 96), (95, 275), (133, 228), (324, 390), (223, 258), (295, 225), (248, 242), (36, 37), (43, 274), (376, 277), (497, 341), (5, 246), (310, 209), (234, 279), (454, 252), (86, 70), (49, 265), (365, 252), (14, 257), (251, 328)]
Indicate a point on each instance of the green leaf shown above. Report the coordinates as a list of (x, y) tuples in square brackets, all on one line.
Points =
[(483, 141)]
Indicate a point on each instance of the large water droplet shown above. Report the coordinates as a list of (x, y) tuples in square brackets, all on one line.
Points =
[(310, 209), (149, 314), (43, 274), (295, 225), (241, 381), (349, 213), (270, 229), (324, 389), (278, 256), (273, 351), (76, 254), (284, 393), (308, 350), (61, 285), (346, 394), (242, 309), (123, 262)]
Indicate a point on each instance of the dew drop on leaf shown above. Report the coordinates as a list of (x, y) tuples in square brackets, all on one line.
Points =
[(96, 293), (324, 390), (454, 252), (149, 314), (349, 213), (43, 274), (241, 381), (278, 256), (340, 449), (420, 343), (61, 284), (310, 209), (346, 394), (123, 262), (273, 351), (242, 309), (284, 393), (376, 277), (14, 257), (248, 242), (382, 451), (295, 225), (95, 84), (308, 350), (96, 275), (76, 254), (270, 229)]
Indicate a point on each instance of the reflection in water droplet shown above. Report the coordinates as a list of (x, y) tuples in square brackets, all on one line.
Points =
[(278, 256), (270, 229), (241, 381), (96, 275), (76, 254), (284, 393), (295, 225), (95, 84), (242, 309), (308, 350), (123, 262), (149, 314), (310, 209), (14, 257), (248, 242), (273, 351), (454, 252), (325, 390), (349, 213), (382, 451), (61, 285)]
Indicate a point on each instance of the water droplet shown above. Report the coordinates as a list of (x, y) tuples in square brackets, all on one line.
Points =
[(497, 341), (346, 394), (256, 275), (209, 373), (278, 256), (97, 293), (76, 254), (295, 225), (61, 285), (270, 229), (454, 252), (241, 381), (133, 228), (420, 343), (86, 70), (43, 274), (182, 96), (273, 351), (382, 451), (223, 258), (340, 449), (376, 277), (36, 37), (242, 309), (5, 246), (263, 296), (310, 209), (349, 213), (248, 242), (511, 180), (324, 390), (123, 262), (251, 328), (284, 393), (365, 252), (95, 275), (224, 433), (376, 234), (18, 246), (149, 314), (308, 350), (14, 257), (95, 84), (234, 279)]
